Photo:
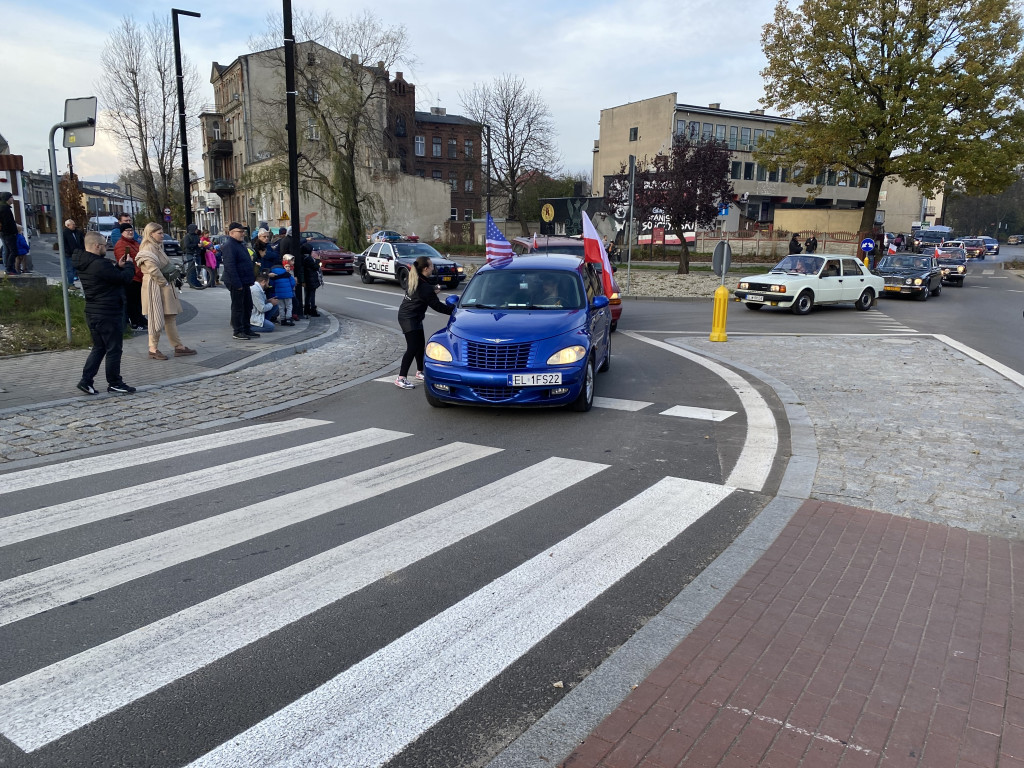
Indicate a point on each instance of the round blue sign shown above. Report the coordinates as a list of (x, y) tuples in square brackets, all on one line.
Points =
[(867, 244)]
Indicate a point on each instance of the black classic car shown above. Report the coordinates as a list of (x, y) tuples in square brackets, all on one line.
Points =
[(953, 265), (908, 274), (392, 261)]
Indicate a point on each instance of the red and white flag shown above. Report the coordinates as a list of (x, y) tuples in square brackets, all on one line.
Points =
[(938, 252), (535, 241), (594, 252), (892, 249)]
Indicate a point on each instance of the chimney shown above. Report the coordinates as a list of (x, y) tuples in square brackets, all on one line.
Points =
[(398, 76), (757, 111), (380, 65), (355, 59), (438, 111), (716, 105)]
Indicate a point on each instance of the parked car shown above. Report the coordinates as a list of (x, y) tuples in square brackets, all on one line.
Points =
[(953, 265), (573, 247), (331, 257), (314, 235), (802, 281), (973, 247), (916, 275), (385, 235), (392, 261), (172, 247), (1015, 240), (526, 332), (991, 245)]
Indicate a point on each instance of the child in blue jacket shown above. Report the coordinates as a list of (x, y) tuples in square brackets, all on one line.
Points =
[(284, 292)]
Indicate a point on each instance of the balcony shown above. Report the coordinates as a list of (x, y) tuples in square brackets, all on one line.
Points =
[(222, 186), (220, 146)]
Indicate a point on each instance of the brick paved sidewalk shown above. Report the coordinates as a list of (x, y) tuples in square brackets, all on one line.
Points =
[(858, 639)]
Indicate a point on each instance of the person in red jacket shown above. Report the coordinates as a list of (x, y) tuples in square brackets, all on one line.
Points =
[(127, 246)]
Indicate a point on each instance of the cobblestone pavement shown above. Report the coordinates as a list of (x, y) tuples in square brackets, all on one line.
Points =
[(889, 435), (359, 350)]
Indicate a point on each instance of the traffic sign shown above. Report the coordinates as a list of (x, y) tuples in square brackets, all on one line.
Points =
[(167, 211), (80, 111), (721, 258), (867, 244)]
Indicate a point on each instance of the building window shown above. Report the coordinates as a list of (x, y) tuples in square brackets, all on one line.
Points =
[(744, 138), (680, 126), (453, 151), (469, 184), (454, 214), (634, 134), (784, 175), (312, 132), (453, 180), (734, 136), (748, 171), (762, 173), (758, 135), (773, 175), (708, 132), (421, 146), (437, 146), (313, 91), (737, 169), (468, 148), (719, 133), (769, 134), (216, 131), (421, 173), (436, 175), (467, 214), (694, 129), (400, 125)]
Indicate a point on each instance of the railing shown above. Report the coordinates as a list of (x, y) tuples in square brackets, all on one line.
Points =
[(220, 146), (222, 185)]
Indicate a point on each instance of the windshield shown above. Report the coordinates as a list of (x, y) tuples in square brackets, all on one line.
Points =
[(322, 246), (571, 250), (524, 289), (799, 265), (416, 249), (932, 237), (904, 262)]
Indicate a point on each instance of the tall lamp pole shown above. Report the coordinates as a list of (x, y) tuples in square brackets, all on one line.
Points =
[(187, 190), (488, 185), (293, 152)]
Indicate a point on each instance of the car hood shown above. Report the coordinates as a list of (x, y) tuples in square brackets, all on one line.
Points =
[(778, 277), (514, 327), (906, 271), (437, 261)]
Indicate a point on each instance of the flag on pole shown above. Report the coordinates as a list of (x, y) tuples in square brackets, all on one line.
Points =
[(535, 241), (594, 252), (498, 248), (892, 249), (938, 252)]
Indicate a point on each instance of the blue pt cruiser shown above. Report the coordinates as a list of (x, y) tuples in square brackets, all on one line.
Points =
[(528, 331)]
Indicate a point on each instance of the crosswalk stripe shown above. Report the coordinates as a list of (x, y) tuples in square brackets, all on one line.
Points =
[(56, 585), (71, 514), (72, 470), (369, 713), (56, 700), (618, 404), (705, 414)]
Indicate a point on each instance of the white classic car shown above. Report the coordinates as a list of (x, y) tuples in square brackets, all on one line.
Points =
[(801, 281)]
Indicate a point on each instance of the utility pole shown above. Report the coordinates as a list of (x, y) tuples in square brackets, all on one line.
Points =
[(293, 154), (488, 185), (187, 189)]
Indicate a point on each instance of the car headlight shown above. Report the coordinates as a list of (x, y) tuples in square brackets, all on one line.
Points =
[(460, 269), (438, 352), (961, 268), (918, 281), (778, 289), (908, 281), (567, 355), (744, 286)]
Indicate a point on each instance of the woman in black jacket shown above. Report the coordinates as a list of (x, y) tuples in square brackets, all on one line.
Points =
[(420, 294)]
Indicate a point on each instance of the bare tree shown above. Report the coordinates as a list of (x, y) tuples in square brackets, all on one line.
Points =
[(522, 136), (139, 99), (341, 77)]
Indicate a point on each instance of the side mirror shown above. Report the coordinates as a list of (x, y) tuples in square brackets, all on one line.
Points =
[(452, 301), (600, 302)]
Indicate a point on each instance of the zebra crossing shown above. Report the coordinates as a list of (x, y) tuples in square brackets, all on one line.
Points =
[(884, 324), (369, 712)]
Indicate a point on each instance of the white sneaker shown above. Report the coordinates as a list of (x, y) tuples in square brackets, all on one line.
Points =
[(419, 375), (404, 383)]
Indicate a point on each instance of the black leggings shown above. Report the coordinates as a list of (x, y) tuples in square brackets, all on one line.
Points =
[(414, 344)]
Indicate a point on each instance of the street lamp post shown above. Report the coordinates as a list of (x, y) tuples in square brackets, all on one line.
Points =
[(187, 189), (293, 152), (488, 184)]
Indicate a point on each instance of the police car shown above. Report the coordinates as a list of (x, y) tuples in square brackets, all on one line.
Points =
[(392, 261)]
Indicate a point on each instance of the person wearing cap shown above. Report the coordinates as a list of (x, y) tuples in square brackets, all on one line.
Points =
[(73, 241), (8, 233), (128, 245), (794, 244), (238, 276)]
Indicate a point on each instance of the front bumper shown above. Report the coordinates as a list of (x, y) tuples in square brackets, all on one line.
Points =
[(765, 297), (469, 386), (906, 290)]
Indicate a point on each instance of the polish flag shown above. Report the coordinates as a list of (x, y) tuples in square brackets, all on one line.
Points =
[(938, 252), (594, 252), (535, 241), (892, 249)]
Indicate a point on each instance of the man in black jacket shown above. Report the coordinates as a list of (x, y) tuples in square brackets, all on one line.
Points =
[(238, 276), (103, 283), (72, 242), (8, 232)]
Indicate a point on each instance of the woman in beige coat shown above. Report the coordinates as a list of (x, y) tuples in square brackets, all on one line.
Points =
[(159, 298)]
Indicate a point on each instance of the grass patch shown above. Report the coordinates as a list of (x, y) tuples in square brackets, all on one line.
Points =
[(32, 320)]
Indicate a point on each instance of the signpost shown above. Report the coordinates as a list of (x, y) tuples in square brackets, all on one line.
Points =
[(867, 245), (721, 260), (167, 214)]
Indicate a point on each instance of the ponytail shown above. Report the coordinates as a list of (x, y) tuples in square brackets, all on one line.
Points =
[(415, 273)]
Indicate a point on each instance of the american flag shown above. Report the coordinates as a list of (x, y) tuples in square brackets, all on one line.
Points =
[(497, 246)]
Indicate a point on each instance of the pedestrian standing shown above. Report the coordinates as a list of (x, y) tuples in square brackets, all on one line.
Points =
[(73, 241), (127, 244), (794, 244), (283, 284), (103, 284), (313, 279), (21, 263), (811, 244), (8, 233), (420, 293), (160, 301), (238, 276)]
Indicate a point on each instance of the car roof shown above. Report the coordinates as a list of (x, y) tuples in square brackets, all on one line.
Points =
[(561, 262), (546, 240)]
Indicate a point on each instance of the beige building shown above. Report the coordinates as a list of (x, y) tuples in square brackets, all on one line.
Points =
[(762, 196)]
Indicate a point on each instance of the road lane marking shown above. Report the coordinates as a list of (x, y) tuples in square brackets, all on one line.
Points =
[(705, 414), (618, 404), (52, 702), (57, 585), (94, 465), (71, 514), (762, 439), (377, 303), (369, 713)]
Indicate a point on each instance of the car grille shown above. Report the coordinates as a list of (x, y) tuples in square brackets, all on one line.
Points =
[(443, 270), (760, 287), (497, 357), (894, 280), (494, 393)]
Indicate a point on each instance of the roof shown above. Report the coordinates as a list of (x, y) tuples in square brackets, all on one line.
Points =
[(734, 114), (430, 117), (552, 261), (547, 240)]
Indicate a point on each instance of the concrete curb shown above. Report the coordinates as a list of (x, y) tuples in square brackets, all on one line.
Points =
[(555, 735)]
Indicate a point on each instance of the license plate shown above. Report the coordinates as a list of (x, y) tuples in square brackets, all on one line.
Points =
[(752, 297), (446, 279), (892, 287), (533, 379)]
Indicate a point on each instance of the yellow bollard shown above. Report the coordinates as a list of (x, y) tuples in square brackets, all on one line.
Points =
[(718, 316)]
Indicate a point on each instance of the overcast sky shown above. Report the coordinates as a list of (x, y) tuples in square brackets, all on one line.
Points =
[(581, 57)]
